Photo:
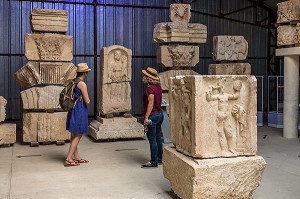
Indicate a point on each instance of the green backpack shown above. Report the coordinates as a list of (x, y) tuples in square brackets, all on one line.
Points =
[(66, 97)]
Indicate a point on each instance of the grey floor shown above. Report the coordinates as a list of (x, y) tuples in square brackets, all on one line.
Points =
[(114, 171)]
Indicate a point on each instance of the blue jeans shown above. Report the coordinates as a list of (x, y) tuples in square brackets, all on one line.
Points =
[(154, 137)]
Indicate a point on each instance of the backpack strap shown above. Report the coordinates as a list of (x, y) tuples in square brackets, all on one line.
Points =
[(80, 97)]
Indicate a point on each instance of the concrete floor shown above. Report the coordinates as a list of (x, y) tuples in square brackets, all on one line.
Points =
[(114, 171)]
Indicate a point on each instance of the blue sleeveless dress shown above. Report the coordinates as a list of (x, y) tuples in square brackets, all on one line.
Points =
[(77, 119)]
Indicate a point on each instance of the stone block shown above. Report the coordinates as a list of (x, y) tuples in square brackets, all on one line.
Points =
[(48, 47), (214, 116), (177, 56), (46, 97), (7, 133), (34, 73), (45, 127), (165, 76), (51, 21), (115, 128), (170, 32), (3, 103), (288, 11), (288, 35), (115, 98), (229, 48), (226, 178), (229, 69), (180, 13)]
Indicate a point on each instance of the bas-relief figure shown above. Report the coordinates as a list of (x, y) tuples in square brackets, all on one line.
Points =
[(3, 103), (180, 13), (118, 66), (230, 48), (288, 11)]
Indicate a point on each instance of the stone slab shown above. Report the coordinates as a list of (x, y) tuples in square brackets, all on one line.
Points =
[(44, 127), (232, 48), (48, 47), (287, 51), (46, 97), (115, 128), (214, 116), (34, 73), (7, 133), (165, 76), (177, 56), (288, 11), (51, 21), (230, 69), (180, 13), (3, 103), (226, 178)]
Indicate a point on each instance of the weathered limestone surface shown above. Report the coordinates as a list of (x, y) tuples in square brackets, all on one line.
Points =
[(165, 76), (34, 73), (169, 32), (180, 13), (51, 21), (214, 116), (229, 48), (288, 35), (177, 56), (229, 69), (115, 128), (48, 47), (7, 133), (44, 127), (3, 103), (226, 178), (41, 97), (288, 11), (115, 79)]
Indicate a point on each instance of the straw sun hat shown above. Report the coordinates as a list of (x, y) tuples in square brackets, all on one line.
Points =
[(151, 72), (83, 67)]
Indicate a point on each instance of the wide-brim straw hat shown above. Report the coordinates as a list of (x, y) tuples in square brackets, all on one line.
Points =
[(83, 67), (151, 72)]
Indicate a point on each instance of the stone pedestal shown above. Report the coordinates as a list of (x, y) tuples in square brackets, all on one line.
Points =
[(7, 134), (115, 128), (226, 178)]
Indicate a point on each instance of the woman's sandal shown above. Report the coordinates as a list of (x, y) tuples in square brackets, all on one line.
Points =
[(81, 160), (69, 163)]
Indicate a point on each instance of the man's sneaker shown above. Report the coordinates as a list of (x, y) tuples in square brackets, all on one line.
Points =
[(159, 162), (148, 165)]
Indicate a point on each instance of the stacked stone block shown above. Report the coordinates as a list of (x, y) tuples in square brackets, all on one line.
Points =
[(7, 131), (226, 51), (213, 129), (115, 120), (49, 52)]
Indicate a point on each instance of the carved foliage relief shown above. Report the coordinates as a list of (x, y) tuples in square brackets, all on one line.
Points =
[(180, 12)]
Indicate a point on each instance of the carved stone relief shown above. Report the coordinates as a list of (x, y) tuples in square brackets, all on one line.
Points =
[(180, 13), (288, 11), (3, 103), (177, 56), (287, 35), (51, 21), (223, 115), (230, 69), (7, 133), (229, 48), (34, 73), (48, 47)]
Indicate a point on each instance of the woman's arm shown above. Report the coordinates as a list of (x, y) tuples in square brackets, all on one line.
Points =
[(83, 88), (149, 108)]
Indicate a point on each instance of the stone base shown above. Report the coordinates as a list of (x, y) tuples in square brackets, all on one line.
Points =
[(115, 128), (7, 134), (226, 178)]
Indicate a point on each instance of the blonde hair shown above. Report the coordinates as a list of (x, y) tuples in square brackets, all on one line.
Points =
[(149, 80)]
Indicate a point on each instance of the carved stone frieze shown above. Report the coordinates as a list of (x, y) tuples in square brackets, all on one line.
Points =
[(288, 11), (34, 73), (50, 21), (46, 97), (230, 69), (229, 48), (213, 116), (288, 35), (173, 32), (3, 103), (7, 133), (44, 127), (180, 13), (48, 47), (177, 56), (226, 178)]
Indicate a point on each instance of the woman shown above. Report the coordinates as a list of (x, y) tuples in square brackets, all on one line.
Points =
[(153, 115), (77, 120)]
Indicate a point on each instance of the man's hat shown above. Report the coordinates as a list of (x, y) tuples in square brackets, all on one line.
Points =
[(151, 72), (83, 67)]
